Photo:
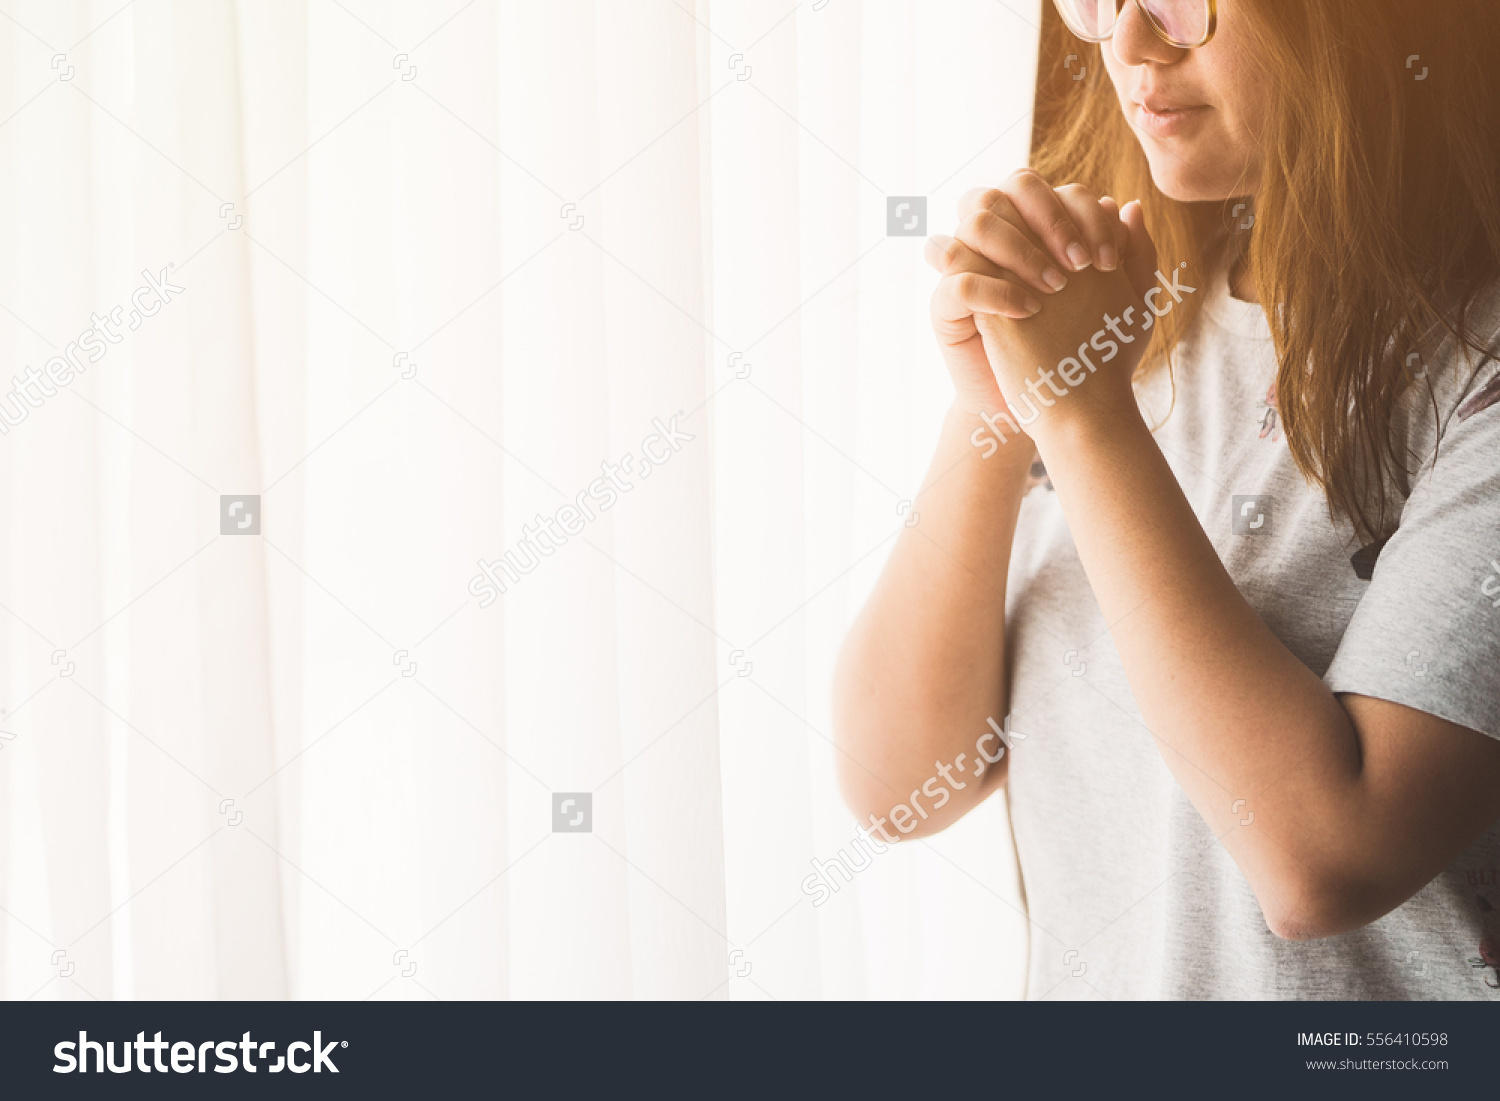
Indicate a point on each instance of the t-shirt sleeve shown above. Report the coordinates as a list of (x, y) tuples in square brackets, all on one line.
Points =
[(1427, 631)]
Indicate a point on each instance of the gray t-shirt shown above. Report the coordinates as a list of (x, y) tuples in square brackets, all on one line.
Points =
[(1129, 893)]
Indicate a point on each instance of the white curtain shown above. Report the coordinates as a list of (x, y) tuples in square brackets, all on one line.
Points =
[(438, 263)]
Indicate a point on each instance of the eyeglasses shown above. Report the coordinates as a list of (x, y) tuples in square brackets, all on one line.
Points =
[(1185, 24)]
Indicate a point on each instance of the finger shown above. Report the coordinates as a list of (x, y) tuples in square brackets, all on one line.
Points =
[(1005, 246), (1043, 212), (936, 250), (998, 203), (1122, 237), (946, 254), (964, 293), (1140, 250), (951, 256), (1094, 222), (985, 198)]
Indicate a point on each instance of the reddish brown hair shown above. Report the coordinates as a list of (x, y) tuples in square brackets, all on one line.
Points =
[(1377, 213)]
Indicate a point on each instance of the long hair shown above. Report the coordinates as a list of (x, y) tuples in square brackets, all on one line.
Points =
[(1376, 219)]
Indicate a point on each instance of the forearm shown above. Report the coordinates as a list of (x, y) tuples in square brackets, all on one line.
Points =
[(1251, 734), (923, 666), (1336, 808)]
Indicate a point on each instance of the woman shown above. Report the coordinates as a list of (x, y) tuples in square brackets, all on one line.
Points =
[(1236, 654)]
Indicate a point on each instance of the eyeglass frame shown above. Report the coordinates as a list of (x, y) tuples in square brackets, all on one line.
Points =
[(1208, 32)]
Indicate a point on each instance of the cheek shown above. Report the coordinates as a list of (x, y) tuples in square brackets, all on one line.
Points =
[(1115, 71), (1242, 92)]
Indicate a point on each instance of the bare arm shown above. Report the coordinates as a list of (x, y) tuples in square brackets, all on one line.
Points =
[(921, 676), (1353, 803), (923, 666), (1357, 802)]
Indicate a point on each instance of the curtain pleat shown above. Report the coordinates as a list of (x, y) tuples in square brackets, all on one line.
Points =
[(589, 301)]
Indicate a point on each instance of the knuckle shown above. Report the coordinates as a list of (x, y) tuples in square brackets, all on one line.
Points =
[(970, 199), (973, 227), (988, 222), (991, 197), (1101, 226), (1010, 215)]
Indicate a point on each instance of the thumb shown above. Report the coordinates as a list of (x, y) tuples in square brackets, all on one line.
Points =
[(1140, 252)]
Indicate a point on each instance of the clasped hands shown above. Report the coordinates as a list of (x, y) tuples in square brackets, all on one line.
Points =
[(1040, 313)]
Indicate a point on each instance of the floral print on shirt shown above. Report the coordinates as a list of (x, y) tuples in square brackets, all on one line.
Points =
[(1270, 420)]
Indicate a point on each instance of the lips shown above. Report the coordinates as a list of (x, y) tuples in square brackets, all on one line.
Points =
[(1161, 106), (1164, 118)]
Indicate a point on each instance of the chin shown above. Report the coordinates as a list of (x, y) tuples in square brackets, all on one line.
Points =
[(1176, 179)]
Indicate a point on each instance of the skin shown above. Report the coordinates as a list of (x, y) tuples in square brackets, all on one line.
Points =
[(1358, 802)]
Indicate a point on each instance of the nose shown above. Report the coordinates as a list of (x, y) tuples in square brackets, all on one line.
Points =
[(1135, 43)]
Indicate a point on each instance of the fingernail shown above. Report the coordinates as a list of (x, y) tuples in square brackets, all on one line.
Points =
[(1054, 279), (1079, 255), (1030, 305), (1108, 259)]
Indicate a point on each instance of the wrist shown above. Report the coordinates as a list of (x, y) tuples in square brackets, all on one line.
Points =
[(991, 436), (1085, 427)]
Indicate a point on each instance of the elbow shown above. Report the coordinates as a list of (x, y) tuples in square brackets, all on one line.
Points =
[(926, 800), (1302, 923), (877, 807), (894, 817), (864, 738), (1311, 907), (896, 756), (863, 797), (867, 768), (860, 765)]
